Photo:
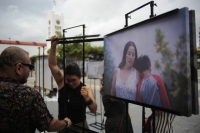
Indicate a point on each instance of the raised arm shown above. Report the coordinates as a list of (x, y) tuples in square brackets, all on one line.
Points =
[(58, 76)]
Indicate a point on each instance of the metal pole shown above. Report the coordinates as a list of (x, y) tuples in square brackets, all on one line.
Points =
[(39, 69), (127, 117), (143, 119), (83, 54), (152, 5), (65, 102), (43, 74), (86, 36), (154, 129), (95, 98), (101, 109), (10, 41), (83, 68)]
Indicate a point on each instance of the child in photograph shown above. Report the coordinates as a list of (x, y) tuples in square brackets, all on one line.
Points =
[(151, 89)]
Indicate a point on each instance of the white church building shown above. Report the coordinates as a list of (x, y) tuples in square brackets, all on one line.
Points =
[(55, 23)]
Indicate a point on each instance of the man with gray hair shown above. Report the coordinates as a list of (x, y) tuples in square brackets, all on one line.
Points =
[(22, 109)]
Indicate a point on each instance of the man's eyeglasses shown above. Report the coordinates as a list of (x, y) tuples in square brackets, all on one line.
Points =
[(73, 81), (30, 66)]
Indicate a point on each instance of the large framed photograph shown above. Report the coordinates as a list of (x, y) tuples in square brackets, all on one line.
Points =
[(149, 63)]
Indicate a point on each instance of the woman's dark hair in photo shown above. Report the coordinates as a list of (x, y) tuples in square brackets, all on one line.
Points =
[(143, 63), (73, 69), (123, 62)]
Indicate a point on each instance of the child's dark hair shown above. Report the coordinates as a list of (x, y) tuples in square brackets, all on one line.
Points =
[(143, 63), (73, 69)]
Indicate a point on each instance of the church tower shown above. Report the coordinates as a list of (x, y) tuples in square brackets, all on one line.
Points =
[(55, 24)]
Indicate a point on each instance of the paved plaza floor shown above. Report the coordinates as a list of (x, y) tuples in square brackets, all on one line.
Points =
[(181, 124)]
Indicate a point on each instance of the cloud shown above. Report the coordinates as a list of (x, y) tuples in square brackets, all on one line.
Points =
[(12, 8), (26, 20)]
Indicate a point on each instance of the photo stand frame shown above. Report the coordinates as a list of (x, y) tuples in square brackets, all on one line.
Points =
[(96, 124), (88, 112)]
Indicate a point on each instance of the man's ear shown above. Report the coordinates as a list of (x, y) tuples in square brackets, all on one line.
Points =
[(18, 68)]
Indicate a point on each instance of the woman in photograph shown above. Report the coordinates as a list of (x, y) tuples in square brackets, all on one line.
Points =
[(126, 77), (115, 113), (74, 96)]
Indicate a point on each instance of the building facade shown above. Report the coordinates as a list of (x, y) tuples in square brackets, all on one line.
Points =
[(55, 24)]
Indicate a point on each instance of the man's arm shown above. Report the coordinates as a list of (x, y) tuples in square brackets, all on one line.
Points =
[(57, 125), (58, 76), (41, 117)]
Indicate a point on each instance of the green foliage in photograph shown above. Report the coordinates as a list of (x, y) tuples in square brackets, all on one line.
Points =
[(174, 69), (109, 68)]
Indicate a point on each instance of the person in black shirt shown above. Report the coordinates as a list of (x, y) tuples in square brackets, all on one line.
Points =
[(115, 113), (74, 96)]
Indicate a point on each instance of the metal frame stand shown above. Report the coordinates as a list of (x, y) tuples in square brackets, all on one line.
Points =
[(96, 124), (151, 15)]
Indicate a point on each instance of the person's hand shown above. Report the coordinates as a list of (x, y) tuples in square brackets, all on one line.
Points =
[(85, 92), (69, 122), (54, 41)]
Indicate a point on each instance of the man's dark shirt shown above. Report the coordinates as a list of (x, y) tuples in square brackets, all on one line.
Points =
[(22, 109)]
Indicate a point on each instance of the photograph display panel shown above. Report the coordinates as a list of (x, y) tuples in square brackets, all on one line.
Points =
[(149, 62), (95, 69)]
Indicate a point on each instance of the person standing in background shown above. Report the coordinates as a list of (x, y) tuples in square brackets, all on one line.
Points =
[(115, 113), (73, 96)]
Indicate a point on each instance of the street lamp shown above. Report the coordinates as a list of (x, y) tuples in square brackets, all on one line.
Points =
[(10, 41)]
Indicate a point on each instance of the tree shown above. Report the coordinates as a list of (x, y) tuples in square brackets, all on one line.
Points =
[(33, 58), (96, 53)]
